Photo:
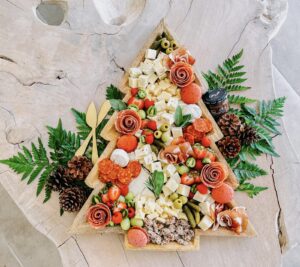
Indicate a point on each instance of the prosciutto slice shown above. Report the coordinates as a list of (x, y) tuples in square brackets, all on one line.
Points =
[(128, 122), (98, 216), (214, 174), (179, 55), (182, 74)]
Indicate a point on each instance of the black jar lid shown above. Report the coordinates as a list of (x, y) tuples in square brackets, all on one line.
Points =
[(215, 96)]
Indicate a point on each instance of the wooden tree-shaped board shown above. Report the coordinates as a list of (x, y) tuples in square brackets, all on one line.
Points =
[(110, 134)]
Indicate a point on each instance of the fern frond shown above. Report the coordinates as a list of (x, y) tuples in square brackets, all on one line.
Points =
[(236, 99), (246, 171), (251, 189)]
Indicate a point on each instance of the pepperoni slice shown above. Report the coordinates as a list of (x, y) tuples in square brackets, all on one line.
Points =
[(189, 138), (135, 168), (104, 178), (214, 174), (105, 166), (114, 173), (202, 125), (197, 134), (124, 176)]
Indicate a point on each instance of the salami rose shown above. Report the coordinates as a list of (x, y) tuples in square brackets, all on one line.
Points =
[(98, 216), (128, 122), (214, 174), (179, 55), (182, 74), (235, 219)]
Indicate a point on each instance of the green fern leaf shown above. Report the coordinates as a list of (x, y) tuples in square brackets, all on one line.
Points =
[(251, 189), (48, 193), (236, 99), (246, 171), (112, 92), (43, 179)]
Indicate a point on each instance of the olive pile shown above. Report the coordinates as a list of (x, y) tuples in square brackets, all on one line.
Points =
[(164, 43)]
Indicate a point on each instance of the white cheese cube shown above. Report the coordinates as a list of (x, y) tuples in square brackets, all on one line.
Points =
[(150, 88), (168, 118), (170, 169), (155, 166), (172, 185), (166, 191), (140, 215), (200, 197), (162, 76), (135, 72), (160, 105), (210, 200), (159, 209), (183, 190), (205, 208), (161, 55), (205, 223), (172, 89), (143, 81), (152, 78), (152, 216), (132, 82), (164, 84), (164, 96), (176, 177), (148, 159), (172, 104), (170, 212), (169, 141), (149, 206), (176, 131), (146, 149), (131, 156), (154, 157), (139, 153), (147, 67), (158, 67), (150, 53)]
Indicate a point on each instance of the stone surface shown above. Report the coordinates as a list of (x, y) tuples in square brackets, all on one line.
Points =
[(46, 70)]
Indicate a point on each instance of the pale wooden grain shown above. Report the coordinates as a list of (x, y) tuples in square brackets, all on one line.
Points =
[(87, 55)]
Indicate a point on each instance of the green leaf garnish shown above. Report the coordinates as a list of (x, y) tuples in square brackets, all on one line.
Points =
[(112, 92), (251, 189), (180, 119), (155, 182), (117, 104)]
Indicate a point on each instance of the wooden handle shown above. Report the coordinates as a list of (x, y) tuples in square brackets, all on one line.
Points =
[(95, 151), (84, 145)]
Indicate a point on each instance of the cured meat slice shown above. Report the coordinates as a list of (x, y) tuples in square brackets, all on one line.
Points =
[(105, 166), (135, 168), (182, 74), (124, 176), (98, 216), (214, 174), (179, 55), (128, 122), (202, 125)]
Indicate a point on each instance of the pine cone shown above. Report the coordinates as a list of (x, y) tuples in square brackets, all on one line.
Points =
[(72, 199), (79, 167), (230, 125), (248, 135), (229, 146), (58, 180)]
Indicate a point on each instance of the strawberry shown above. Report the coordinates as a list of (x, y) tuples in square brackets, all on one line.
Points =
[(117, 217), (131, 212), (205, 141), (199, 151), (105, 198), (148, 103), (187, 180), (120, 206), (134, 91), (114, 193), (149, 139), (124, 189), (152, 125), (136, 101), (144, 124), (110, 204), (202, 189), (199, 165), (211, 155)]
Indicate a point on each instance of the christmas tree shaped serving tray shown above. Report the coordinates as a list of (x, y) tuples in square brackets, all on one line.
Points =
[(161, 181)]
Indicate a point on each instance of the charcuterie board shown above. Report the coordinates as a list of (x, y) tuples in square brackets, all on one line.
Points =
[(112, 133)]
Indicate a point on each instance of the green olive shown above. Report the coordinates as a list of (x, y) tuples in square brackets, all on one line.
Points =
[(136, 222), (178, 203), (174, 196), (165, 127), (165, 137), (142, 114), (157, 134), (183, 199), (165, 43), (173, 44), (169, 50)]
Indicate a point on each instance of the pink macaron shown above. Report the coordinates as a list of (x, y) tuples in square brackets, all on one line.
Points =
[(137, 237)]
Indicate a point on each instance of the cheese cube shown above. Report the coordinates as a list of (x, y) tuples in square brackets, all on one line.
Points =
[(131, 156), (143, 81), (132, 82), (166, 191), (161, 55), (172, 89), (172, 103), (176, 131), (169, 118), (160, 105), (150, 53), (164, 96), (170, 212), (176, 177), (164, 84), (149, 206), (162, 76), (152, 78), (159, 209), (200, 197), (169, 141), (154, 157), (183, 190), (170, 169), (146, 149), (135, 72), (210, 200), (152, 216), (148, 159), (155, 166), (205, 208), (147, 67), (139, 154), (172, 185), (140, 215), (205, 223), (158, 67), (150, 88)]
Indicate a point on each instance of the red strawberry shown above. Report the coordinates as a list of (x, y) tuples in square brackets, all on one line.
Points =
[(124, 189), (205, 141), (114, 193), (131, 212), (105, 198), (120, 206), (211, 156), (149, 139), (152, 125), (117, 217), (199, 165), (200, 152), (144, 124), (136, 101), (202, 189), (148, 103), (134, 91), (187, 180)]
